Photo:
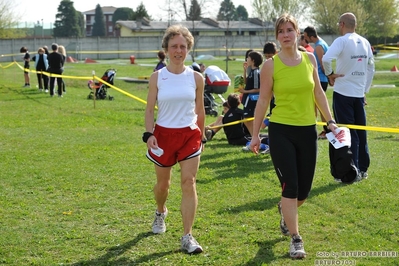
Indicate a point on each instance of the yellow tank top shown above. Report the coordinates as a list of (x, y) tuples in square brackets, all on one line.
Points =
[(293, 90)]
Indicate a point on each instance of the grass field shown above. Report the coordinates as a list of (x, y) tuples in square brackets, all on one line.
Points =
[(76, 187)]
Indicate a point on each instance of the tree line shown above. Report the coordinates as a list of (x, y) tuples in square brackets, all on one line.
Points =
[(376, 19)]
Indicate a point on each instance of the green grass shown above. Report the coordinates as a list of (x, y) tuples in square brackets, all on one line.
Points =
[(76, 187)]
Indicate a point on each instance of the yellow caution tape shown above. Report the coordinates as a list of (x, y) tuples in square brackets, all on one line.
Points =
[(369, 128), (87, 78)]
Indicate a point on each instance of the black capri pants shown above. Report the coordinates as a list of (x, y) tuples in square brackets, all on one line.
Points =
[(293, 150)]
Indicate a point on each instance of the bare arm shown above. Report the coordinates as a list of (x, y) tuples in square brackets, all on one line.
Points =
[(320, 53), (199, 103), (320, 96), (149, 110), (265, 95)]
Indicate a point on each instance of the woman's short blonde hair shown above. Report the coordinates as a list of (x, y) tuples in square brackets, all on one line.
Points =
[(174, 30), (284, 18)]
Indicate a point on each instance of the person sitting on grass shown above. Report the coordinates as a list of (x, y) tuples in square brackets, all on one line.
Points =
[(209, 130), (236, 134)]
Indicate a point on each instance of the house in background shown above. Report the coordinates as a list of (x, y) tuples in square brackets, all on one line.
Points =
[(90, 19), (204, 27)]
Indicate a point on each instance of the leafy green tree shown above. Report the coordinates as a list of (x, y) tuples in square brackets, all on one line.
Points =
[(123, 13), (141, 12), (242, 12), (326, 13), (67, 21), (195, 11), (227, 11), (99, 22), (382, 21), (293, 7), (270, 10)]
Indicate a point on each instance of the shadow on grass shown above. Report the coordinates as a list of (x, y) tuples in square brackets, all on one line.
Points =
[(228, 167), (110, 258), (265, 254), (270, 203), (387, 138)]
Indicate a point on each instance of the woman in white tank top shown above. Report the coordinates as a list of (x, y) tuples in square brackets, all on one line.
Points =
[(178, 134)]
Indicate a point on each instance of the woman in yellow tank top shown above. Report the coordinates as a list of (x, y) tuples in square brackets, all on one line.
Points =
[(293, 79)]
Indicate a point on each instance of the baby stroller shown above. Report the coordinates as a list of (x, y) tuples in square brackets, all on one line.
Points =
[(216, 82), (101, 89)]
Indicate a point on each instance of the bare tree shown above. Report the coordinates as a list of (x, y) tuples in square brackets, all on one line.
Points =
[(183, 10), (8, 20), (269, 10), (262, 10)]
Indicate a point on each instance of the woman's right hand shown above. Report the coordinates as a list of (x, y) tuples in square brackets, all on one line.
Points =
[(152, 142), (254, 144)]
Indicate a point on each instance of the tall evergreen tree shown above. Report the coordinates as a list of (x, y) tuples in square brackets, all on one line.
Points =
[(99, 23), (227, 11), (242, 12), (123, 13), (67, 21), (141, 12), (195, 11)]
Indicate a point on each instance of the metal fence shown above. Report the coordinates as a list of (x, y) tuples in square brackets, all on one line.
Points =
[(101, 48)]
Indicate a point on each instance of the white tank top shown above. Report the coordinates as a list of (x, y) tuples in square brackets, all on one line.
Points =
[(176, 99)]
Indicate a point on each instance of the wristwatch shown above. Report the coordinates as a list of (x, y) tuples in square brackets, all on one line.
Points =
[(331, 122)]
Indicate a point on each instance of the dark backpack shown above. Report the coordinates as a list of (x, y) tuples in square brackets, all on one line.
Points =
[(341, 164)]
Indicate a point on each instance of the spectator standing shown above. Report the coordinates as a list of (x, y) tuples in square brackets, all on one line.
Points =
[(178, 92), (251, 90), (62, 50), (26, 59), (320, 49), (162, 61), (41, 65), (245, 66), (269, 50), (305, 44), (353, 77), (56, 66), (292, 77)]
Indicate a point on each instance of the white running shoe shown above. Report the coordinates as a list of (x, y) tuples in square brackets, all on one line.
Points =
[(246, 148), (297, 250), (265, 151), (159, 226), (190, 245)]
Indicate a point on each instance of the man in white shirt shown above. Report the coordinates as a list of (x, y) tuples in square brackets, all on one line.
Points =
[(353, 77)]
